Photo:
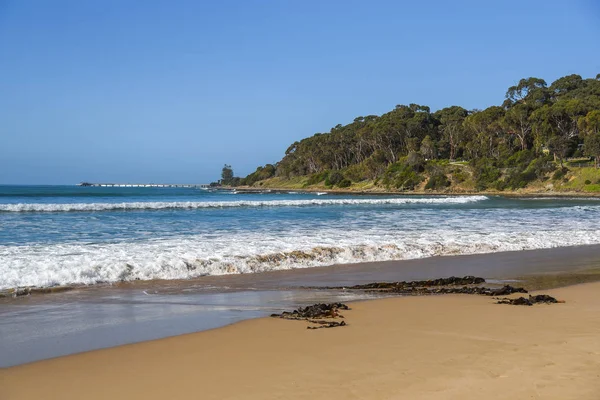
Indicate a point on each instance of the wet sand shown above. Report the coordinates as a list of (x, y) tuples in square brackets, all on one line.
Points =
[(433, 347), (44, 326)]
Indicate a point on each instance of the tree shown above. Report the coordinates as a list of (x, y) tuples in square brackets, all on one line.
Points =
[(592, 147), (428, 148), (559, 145), (558, 118), (451, 127), (226, 175), (566, 84), (516, 121), (590, 124), (485, 129), (531, 91)]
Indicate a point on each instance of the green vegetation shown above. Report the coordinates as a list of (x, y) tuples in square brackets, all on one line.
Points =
[(527, 142), (227, 175), (585, 179), (260, 174)]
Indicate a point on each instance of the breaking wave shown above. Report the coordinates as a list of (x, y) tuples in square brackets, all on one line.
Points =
[(185, 258), (70, 207)]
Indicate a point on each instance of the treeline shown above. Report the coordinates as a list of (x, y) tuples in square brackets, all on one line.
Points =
[(535, 124)]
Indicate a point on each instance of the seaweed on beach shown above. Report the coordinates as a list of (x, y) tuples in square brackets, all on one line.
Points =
[(325, 324), (485, 291), (451, 281), (319, 314), (319, 310), (452, 285), (537, 299)]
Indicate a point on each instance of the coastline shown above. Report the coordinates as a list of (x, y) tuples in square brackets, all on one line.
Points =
[(130, 312), (379, 192), (495, 265), (451, 346)]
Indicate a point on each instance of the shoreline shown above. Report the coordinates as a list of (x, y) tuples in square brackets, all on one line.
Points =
[(104, 317), (378, 192), (276, 279), (388, 349)]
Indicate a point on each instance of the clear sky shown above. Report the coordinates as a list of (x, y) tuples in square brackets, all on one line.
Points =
[(151, 91)]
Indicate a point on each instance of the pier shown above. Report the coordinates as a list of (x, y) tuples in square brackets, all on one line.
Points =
[(147, 185)]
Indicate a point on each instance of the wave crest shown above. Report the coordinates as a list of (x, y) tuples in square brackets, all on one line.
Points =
[(183, 205), (45, 266)]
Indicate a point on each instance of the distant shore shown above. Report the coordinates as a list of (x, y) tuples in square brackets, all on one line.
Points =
[(450, 347), (380, 192)]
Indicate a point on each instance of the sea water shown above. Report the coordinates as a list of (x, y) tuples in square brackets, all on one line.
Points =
[(64, 235)]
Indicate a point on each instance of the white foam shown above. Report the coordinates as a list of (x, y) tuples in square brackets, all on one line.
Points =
[(189, 257), (355, 235), (68, 207)]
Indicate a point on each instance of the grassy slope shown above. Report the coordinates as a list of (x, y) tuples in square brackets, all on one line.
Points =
[(574, 181)]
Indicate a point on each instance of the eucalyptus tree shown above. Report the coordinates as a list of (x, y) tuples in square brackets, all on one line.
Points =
[(533, 116), (517, 122), (485, 130), (531, 91), (451, 127), (592, 147)]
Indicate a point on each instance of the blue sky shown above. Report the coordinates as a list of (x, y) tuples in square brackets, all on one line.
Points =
[(140, 91)]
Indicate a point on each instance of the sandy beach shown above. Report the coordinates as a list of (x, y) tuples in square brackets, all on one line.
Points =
[(434, 347)]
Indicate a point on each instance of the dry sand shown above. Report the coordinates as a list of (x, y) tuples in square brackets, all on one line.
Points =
[(443, 347)]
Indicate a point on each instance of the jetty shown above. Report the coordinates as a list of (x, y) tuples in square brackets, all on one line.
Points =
[(147, 185)]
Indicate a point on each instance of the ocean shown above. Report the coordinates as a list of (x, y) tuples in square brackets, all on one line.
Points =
[(70, 235)]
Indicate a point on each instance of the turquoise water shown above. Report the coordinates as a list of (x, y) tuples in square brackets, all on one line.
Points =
[(51, 235)]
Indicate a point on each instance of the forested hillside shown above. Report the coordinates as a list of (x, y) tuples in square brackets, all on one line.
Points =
[(526, 139)]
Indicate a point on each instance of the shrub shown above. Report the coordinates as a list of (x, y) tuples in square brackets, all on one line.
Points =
[(407, 180), (588, 182), (518, 159), (415, 160), (317, 178), (541, 167), (333, 178), (560, 173), (518, 178), (260, 174), (358, 172), (401, 176), (345, 183), (499, 185), (459, 176), (486, 173), (437, 182)]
